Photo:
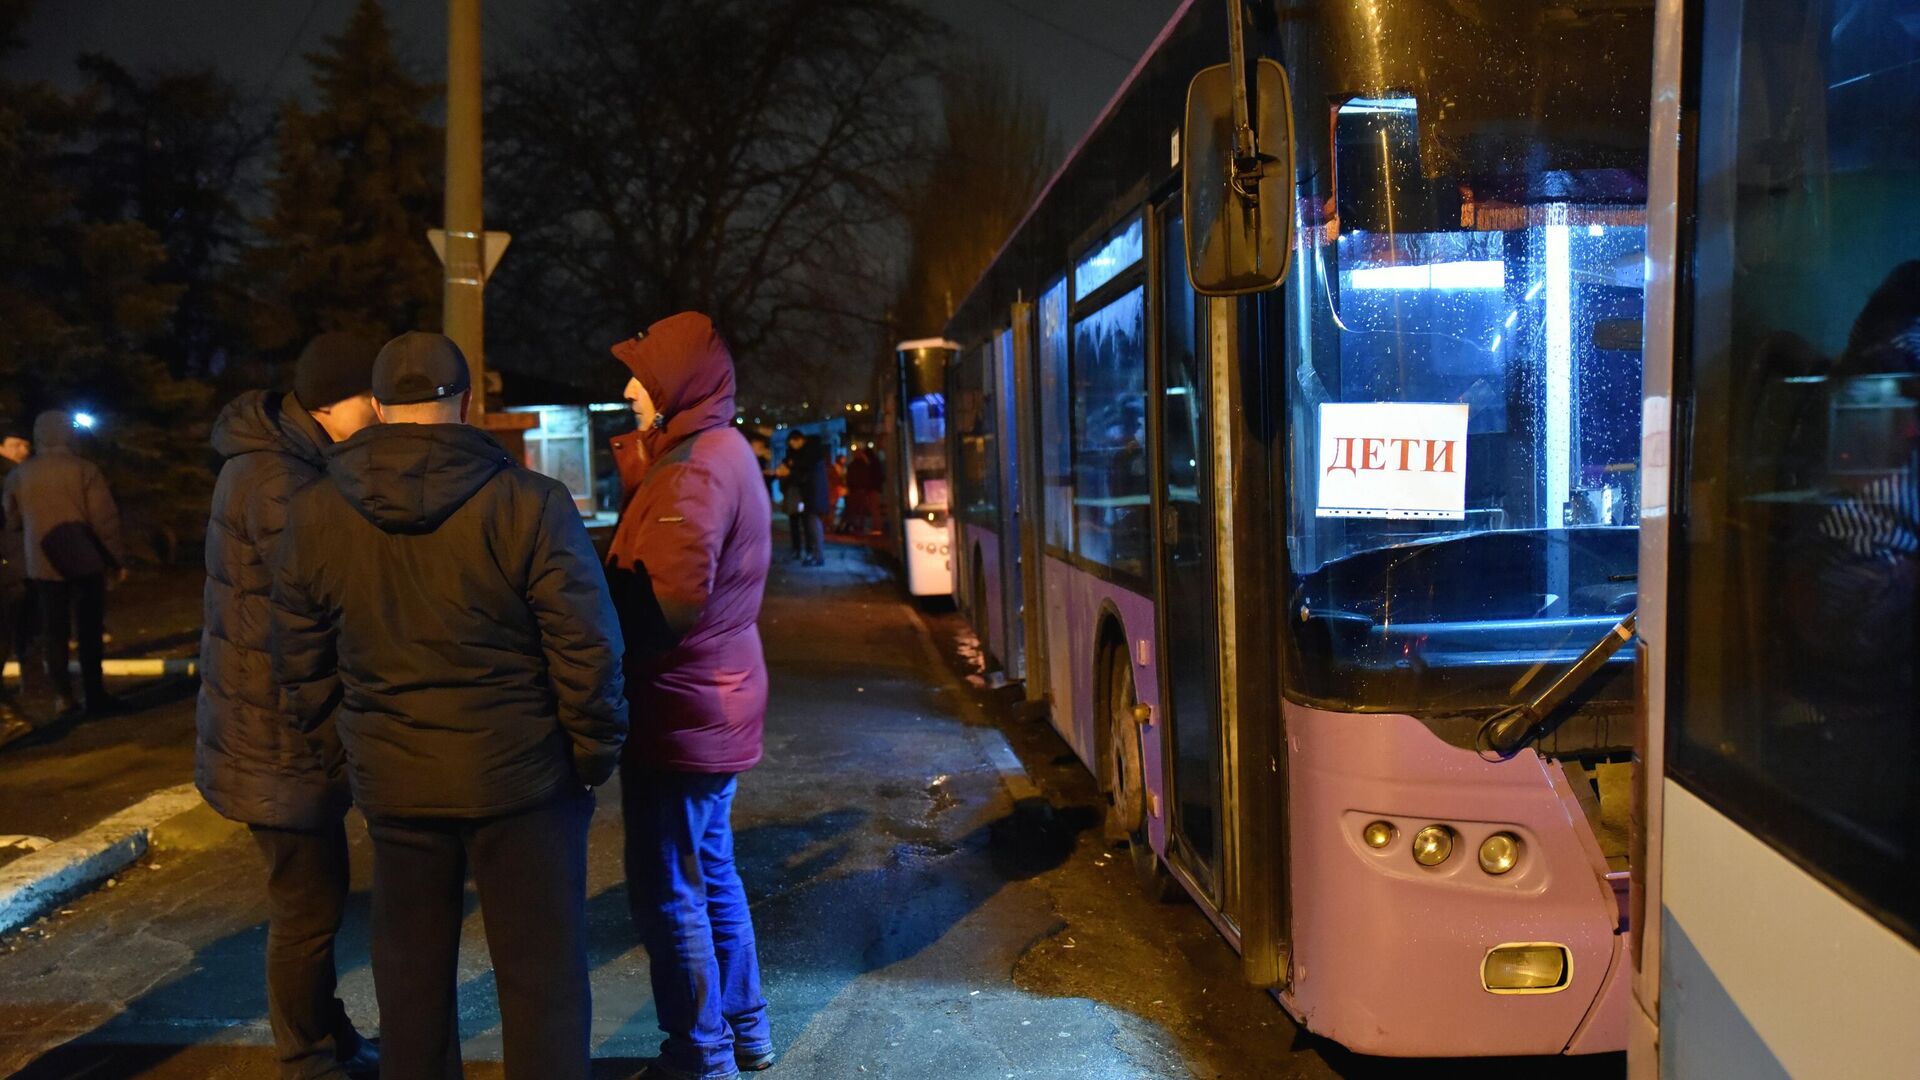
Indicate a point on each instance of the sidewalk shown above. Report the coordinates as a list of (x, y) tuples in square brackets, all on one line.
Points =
[(906, 930)]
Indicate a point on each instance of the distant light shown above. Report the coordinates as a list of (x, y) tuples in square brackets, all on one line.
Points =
[(1596, 230), (1497, 339), (1380, 105), (1486, 274), (739, 419), (83, 420)]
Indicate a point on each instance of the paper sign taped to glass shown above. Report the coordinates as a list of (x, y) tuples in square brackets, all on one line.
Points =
[(1393, 459)]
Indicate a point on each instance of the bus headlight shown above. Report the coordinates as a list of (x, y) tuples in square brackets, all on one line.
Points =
[(1432, 845), (1537, 968), (1499, 853), (1377, 835)]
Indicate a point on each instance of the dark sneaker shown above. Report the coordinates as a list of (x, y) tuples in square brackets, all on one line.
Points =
[(760, 1062), (658, 1070), (365, 1062), (105, 705)]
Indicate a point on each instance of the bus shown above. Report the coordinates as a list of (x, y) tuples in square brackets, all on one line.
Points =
[(1780, 546), (913, 407), (1280, 565)]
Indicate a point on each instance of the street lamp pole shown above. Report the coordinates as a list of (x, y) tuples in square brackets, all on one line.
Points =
[(467, 251)]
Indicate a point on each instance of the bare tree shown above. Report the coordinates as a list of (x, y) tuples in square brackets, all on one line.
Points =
[(742, 157), (998, 150)]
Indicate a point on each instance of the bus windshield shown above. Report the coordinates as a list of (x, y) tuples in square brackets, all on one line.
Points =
[(1464, 395)]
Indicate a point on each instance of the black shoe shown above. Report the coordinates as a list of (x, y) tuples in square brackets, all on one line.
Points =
[(13, 724), (760, 1062), (103, 704), (364, 1062)]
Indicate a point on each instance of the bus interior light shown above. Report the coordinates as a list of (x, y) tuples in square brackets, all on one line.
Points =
[(1378, 834), (1499, 853), (1432, 845), (1443, 277), (1527, 968)]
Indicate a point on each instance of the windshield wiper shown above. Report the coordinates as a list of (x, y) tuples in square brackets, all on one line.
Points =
[(1513, 727)]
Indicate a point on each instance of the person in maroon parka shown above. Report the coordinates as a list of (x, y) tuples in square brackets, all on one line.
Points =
[(688, 566)]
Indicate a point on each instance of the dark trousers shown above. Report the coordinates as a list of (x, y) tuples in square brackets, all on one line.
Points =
[(530, 869), (814, 528), (307, 883), (691, 910), (16, 627), (76, 607)]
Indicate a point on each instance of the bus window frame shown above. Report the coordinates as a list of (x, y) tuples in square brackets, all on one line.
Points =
[(1777, 817), (1135, 276)]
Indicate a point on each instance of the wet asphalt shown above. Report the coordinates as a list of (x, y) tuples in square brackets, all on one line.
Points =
[(912, 923)]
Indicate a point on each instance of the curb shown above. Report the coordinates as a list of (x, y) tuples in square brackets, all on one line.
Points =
[(149, 668), (36, 883), (987, 738)]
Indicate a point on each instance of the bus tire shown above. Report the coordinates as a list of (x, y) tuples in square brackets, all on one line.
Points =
[(1123, 777)]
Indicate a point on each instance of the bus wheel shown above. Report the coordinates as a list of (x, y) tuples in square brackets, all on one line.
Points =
[(1126, 779)]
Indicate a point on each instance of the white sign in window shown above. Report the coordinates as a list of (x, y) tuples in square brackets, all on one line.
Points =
[(1392, 459)]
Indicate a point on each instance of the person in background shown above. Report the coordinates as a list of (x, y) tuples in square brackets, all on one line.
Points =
[(15, 613), (71, 535), (445, 608), (803, 482), (689, 564), (763, 453), (836, 493), (864, 482), (250, 764), (790, 498)]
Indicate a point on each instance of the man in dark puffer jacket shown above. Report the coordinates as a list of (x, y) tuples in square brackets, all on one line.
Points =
[(478, 693), (251, 764)]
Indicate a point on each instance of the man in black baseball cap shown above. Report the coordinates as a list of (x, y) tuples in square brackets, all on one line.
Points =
[(445, 607), (420, 368), (251, 765)]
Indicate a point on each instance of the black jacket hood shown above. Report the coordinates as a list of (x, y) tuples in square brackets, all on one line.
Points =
[(408, 478), (271, 422)]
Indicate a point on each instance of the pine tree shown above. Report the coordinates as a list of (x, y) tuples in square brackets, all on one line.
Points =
[(355, 187), (82, 304)]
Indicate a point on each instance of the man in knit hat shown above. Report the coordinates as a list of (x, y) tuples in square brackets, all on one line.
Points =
[(251, 763)]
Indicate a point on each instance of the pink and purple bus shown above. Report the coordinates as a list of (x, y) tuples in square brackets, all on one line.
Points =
[(1277, 563)]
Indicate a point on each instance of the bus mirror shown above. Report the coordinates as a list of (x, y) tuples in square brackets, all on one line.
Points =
[(1239, 206)]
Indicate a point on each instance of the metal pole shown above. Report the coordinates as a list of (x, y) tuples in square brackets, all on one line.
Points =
[(462, 315)]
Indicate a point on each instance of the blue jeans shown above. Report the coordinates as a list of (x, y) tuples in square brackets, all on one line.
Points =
[(691, 910)]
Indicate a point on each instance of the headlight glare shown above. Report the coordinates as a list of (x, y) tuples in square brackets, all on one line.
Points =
[(1499, 853), (1432, 845)]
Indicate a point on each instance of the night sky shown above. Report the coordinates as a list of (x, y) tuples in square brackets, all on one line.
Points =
[(1075, 52)]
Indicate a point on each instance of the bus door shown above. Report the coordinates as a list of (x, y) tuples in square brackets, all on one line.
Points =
[(1012, 628), (1187, 568), (1029, 512)]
